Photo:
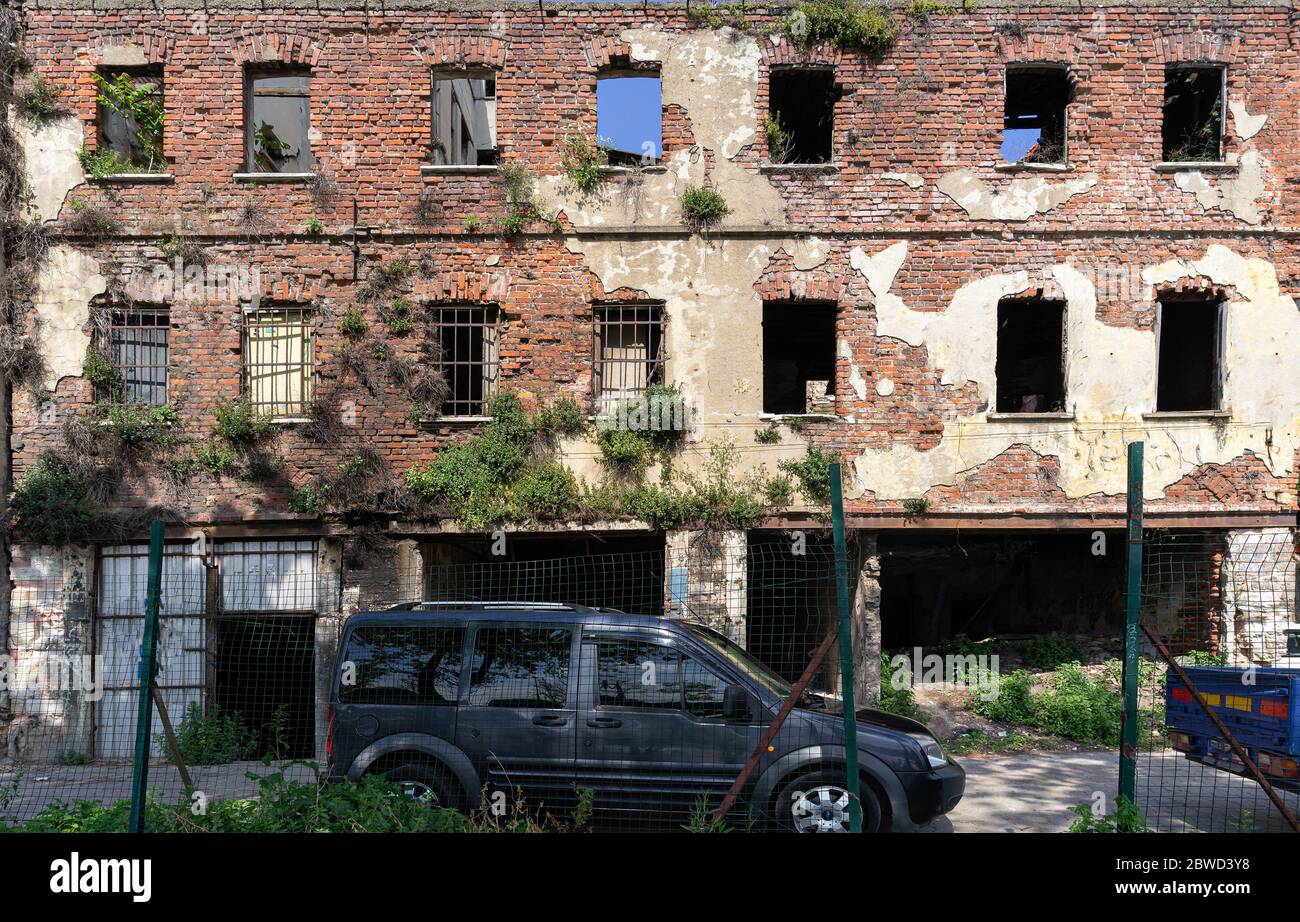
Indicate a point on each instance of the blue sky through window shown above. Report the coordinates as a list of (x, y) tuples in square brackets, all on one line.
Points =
[(629, 113)]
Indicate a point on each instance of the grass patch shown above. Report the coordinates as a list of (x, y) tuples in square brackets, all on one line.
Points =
[(702, 207)]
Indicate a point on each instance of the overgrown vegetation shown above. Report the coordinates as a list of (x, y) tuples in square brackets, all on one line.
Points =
[(900, 700), (52, 502), (37, 101), (90, 220), (522, 205), (1074, 705), (703, 207), (779, 141), (581, 157), (215, 738), (848, 24), (813, 471), (140, 105), (1126, 818), (240, 424), (717, 15)]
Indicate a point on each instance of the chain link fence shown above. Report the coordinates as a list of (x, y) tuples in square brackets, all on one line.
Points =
[(546, 705), (1221, 607)]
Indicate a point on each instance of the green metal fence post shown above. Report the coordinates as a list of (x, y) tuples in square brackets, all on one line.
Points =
[(147, 670), (846, 649), (1132, 633)]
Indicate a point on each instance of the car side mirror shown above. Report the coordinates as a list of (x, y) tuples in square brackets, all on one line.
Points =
[(735, 703)]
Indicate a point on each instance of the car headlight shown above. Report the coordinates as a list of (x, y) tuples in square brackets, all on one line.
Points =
[(930, 746)]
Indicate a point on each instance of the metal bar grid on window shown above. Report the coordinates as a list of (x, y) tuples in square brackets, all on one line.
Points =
[(470, 360), (138, 349), (629, 352), (278, 361)]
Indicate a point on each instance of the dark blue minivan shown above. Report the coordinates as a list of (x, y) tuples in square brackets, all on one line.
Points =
[(654, 716)]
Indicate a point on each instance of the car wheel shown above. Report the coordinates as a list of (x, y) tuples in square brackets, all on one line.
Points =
[(819, 802), (424, 783)]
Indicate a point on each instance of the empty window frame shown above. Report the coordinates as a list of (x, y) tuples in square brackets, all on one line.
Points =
[(1192, 128), (469, 363), (629, 117), (463, 108), (798, 357), (277, 107), (1189, 376), (278, 361), (1031, 356), (130, 117), (800, 125), (137, 346), (1034, 116), (629, 352)]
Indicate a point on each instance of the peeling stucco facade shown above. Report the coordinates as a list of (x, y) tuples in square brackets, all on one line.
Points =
[(913, 233)]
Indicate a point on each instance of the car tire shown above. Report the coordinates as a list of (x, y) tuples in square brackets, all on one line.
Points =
[(818, 802), (430, 784)]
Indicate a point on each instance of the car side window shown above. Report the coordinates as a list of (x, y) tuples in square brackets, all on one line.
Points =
[(402, 664), (637, 674), (705, 689), (520, 667)]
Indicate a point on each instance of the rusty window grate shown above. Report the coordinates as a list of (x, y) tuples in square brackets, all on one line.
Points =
[(278, 361), (470, 363), (137, 347), (629, 352)]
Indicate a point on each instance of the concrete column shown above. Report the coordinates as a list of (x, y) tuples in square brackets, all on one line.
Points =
[(707, 579), (1258, 589), (50, 634), (865, 585)]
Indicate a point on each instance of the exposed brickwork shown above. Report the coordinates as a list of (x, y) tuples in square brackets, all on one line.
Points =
[(930, 105)]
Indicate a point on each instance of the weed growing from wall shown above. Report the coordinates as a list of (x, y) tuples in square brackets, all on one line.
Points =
[(702, 207)]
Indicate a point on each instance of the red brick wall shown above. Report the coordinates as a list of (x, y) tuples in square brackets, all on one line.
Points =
[(931, 104)]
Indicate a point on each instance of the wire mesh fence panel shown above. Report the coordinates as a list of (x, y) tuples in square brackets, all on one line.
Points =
[(1222, 606), (617, 691)]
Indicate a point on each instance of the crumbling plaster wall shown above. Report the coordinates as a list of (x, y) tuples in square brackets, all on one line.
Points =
[(1110, 380)]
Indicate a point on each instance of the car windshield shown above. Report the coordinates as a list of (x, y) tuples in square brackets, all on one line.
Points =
[(737, 655)]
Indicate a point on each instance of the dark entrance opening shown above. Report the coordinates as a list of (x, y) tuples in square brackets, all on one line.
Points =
[(1031, 350), (802, 106), (798, 347), (265, 673), (1188, 376)]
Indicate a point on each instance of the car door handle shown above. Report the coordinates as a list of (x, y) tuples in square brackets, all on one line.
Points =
[(550, 720), (601, 722)]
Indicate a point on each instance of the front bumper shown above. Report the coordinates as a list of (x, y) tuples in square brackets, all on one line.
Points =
[(933, 793)]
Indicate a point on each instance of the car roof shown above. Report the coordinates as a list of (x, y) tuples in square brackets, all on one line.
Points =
[(507, 611)]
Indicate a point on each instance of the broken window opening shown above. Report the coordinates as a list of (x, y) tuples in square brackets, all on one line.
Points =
[(130, 116), (1192, 130), (463, 106), (278, 121), (468, 337), (801, 114), (1189, 373), (1034, 119), (798, 357), (629, 352), (1030, 366), (279, 368), (629, 117), (137, 347)]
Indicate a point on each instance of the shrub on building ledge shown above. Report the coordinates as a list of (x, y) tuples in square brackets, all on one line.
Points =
[(52, 503), (848, 24), (703, 207), (135, 424), (813, 471), (582, 157), (240, 424)]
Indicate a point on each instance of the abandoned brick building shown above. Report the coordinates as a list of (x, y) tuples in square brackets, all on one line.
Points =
[(972, 262)]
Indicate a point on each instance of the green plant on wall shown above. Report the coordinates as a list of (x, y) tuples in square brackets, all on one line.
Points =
[(240, 424), (848, 24), (703, 207), (140, 105), (813, 471), (582, 158), (52, 503)]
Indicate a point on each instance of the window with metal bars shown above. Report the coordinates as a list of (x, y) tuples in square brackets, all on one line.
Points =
[(468, 336), (137, 347), (629, 352), (278, 360)]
